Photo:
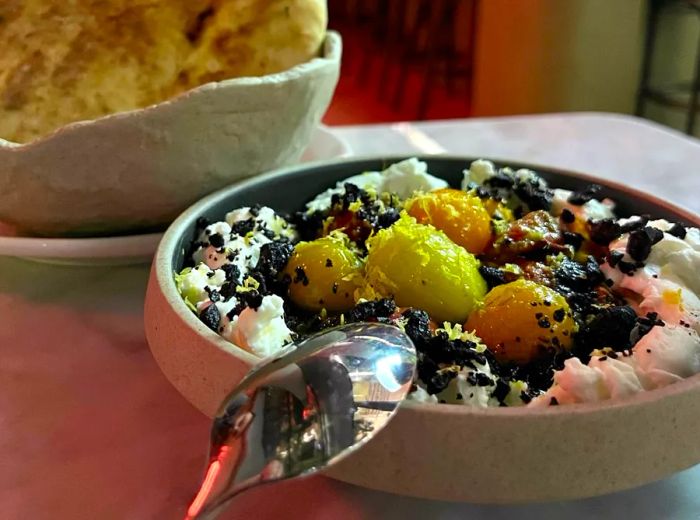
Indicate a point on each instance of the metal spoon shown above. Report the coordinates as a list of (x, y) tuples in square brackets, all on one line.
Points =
[(305, 409)]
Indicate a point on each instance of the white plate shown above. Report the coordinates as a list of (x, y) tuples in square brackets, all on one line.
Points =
[(131, 249)]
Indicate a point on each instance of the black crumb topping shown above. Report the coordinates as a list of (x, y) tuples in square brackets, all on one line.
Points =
[(614, 257), (479, 379), (573, 277), (300, 276), (538, 374), (216, 240), (628, 267), (329, 262), (503, 186), (501, 391), (387, 218), (438, 380), (590, 192), (437, 352), (252, 299), (213, 294), (641, 240), (274, 257), (644, 325), (535, 196), (352, 194), (604, 231), (232, 272), (371, 310), (559, 315), (500, 180), (611, 327), (308, 225), (417, 327), (243, 227), (493, 276), (567, 216), (228, 289), (211, 317), (677, 230), (575, 240)]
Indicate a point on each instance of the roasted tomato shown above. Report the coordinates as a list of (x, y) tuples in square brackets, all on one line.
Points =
[(460, 215), (522, 321), (536, 231)]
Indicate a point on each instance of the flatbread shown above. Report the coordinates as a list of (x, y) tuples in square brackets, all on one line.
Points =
[(62, 62)]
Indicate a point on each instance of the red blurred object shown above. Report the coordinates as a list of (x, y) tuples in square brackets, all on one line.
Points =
[(403, 60)]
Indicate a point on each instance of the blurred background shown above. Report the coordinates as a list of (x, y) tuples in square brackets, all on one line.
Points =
[(438, 59)]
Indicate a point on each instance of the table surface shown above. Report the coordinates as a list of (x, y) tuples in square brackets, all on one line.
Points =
[(92, 429)]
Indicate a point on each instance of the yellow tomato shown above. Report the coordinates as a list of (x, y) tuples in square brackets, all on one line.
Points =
[(324, 273), (522, 320), (459, 214), (419, 266)]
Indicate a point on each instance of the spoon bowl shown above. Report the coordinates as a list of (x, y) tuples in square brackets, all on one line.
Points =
[(304, 409)]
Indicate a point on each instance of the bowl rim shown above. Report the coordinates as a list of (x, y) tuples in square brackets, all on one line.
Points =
[(164, 276), (330, 52)]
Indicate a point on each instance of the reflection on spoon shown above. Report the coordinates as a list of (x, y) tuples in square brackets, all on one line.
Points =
[(305, 409)]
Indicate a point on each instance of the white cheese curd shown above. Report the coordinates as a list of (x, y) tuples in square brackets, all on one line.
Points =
[(407, 177), (620, 377), (262, 331), (592, 210), (403, 178), (525, 175), (478, 173), (666, 355)]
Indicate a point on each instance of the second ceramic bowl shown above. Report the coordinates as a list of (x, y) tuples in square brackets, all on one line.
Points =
[(448, 452), (135, 171)]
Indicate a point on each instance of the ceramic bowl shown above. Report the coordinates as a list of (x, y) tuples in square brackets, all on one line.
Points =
[(448, 452), (135, 171)]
